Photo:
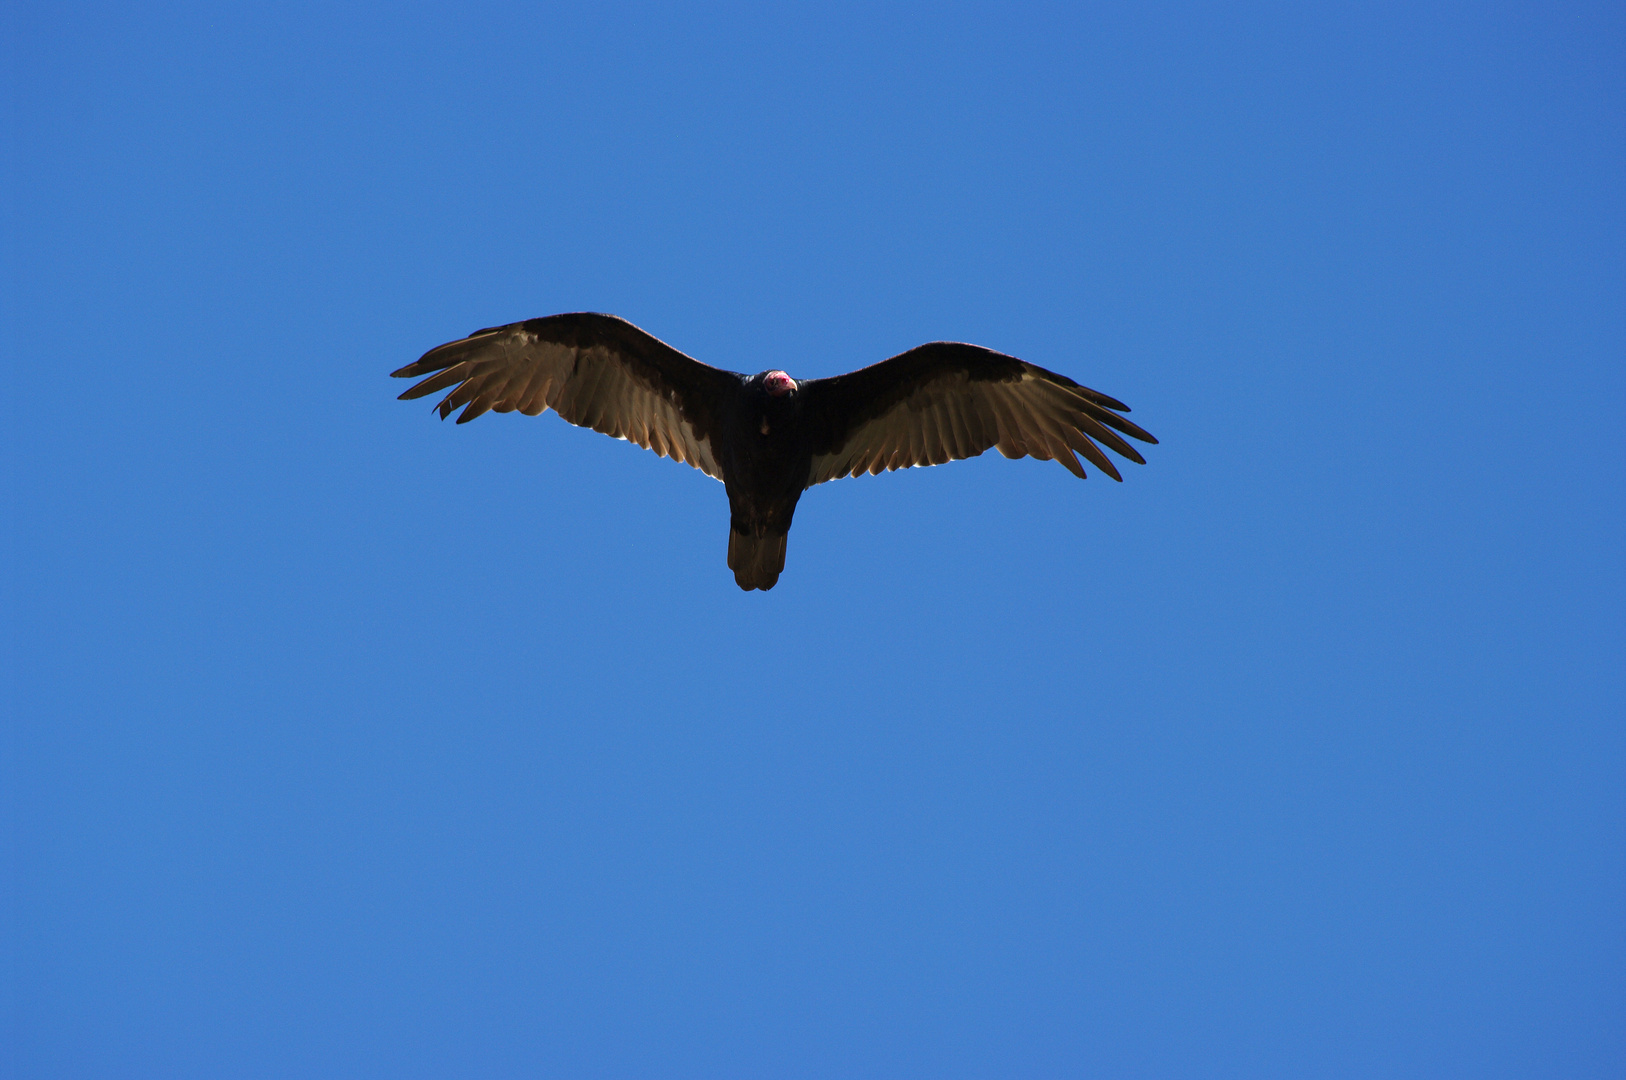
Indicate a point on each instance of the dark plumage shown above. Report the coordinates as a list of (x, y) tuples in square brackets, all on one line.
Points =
[(768, 437)]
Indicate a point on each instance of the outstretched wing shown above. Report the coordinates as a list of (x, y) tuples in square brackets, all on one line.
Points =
[(596, 371), (945, 401)]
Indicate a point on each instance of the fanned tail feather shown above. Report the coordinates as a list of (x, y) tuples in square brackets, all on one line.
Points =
[(756, 558)]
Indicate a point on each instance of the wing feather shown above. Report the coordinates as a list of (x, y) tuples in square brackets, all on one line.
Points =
[(595, 371), (914, 438), (938, 449), (535, 400), (946, 401), (657, 433), (1010, 429), (967, 427), (460, 396)]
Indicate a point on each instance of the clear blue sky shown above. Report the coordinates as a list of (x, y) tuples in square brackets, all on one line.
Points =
[(342, 742)]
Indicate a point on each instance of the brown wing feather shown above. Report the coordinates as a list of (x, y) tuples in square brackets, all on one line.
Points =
[(946, 401), (594, 370)]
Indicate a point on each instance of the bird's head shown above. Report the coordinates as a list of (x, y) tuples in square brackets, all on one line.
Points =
[(777, 383)]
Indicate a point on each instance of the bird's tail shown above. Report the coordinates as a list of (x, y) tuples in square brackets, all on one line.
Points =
[(756, 558)]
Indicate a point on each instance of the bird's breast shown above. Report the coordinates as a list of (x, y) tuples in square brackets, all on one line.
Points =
[(767, 457)]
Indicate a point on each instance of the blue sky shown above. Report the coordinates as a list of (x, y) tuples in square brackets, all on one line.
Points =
[(345, 742)]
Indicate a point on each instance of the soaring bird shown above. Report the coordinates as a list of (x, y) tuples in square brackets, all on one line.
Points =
[(769, 437)]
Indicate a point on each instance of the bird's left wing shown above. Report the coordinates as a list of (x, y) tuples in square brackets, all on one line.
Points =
[(596, 371), (946, 400)]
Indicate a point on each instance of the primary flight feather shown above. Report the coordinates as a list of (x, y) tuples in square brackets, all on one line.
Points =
[(769, 437)]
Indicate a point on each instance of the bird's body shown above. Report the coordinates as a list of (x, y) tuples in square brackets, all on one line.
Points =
[(768, 437), (765, 466)]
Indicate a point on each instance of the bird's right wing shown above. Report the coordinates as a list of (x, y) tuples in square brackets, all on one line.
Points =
[(946, 400), (596, 371)]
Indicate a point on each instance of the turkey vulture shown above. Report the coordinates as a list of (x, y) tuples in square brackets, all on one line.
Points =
[(769, 437)]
